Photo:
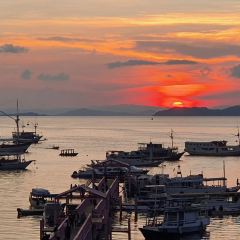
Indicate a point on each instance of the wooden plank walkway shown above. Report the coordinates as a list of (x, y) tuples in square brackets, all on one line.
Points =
[(91, 217)]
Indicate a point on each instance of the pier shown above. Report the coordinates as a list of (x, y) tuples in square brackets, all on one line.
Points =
[(88, 213)]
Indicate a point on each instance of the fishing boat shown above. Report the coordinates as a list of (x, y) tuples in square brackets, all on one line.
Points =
[(10, 148), (147, 154), (99, 172), (109, 168), (68, 153), (213, 148), (26, 137), (38, 197), (222, 203), (133, 158), (178, 221), (187, 184), (14, 163)]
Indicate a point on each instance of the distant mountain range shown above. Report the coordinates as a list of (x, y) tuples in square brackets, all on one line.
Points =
[(137, 110), (200, 111), (116, 110)]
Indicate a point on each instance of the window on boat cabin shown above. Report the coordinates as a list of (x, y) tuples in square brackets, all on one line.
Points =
[(191, 216), (181, 216), (171, 217), (207, 149)]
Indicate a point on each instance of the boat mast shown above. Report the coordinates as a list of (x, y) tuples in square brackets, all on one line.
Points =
[(35, 128), (171, 136), (238, 136), (17, 123), (16, 120), (224, 174)]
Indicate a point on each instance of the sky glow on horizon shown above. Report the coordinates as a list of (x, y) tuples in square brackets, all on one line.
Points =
[(71, 53)]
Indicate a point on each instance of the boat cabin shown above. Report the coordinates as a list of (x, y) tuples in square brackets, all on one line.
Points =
[(39, 197)]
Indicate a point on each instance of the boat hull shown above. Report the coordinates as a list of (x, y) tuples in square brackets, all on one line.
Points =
[(14, 165), (175, 233), (68, 154), (29, 212), (13, 149), (214, 154)]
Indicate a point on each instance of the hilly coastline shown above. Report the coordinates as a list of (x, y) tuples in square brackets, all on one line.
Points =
[(135, 110), (200, 111)]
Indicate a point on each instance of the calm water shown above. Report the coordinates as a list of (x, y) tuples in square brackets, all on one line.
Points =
[(91, 137)]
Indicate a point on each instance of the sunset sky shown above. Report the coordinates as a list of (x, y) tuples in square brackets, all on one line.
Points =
[(73, 53)]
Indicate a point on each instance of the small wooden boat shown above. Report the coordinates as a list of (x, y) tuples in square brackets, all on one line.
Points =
[(29, 212), (68, 153), (55, 147), (39, 197)]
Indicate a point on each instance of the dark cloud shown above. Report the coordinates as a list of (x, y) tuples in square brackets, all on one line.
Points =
[(59, 39), (235, 71), (179, 62), (142, 62), (52, 77), (67, 39), (9, 48), (198, 50), (130, 63), (224, 95), (26, 75)]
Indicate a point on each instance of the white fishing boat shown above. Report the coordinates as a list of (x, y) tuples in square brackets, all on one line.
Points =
[(110, 168), (213, 148), (107, 171), (188, 184), (178, 221)]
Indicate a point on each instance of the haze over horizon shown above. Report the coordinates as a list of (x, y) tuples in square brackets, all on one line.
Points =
[(71, 54)]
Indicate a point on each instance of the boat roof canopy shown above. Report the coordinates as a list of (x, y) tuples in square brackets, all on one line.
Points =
[(40, 192)]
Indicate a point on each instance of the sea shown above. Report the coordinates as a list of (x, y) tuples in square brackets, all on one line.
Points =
[(91, 137)]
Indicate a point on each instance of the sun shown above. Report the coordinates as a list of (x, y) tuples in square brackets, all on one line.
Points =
[(178, 104)]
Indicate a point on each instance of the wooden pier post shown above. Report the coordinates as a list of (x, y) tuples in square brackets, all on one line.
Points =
[(41, 228), (129, 229), (135, 209), (120, 201)]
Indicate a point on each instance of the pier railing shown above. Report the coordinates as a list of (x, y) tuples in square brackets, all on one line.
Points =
[(85, 232), (93, 210)]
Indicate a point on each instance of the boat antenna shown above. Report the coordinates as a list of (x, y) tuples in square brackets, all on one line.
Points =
[(224, 174), (238, 136), (171, 136), (17, 122), (179, 172), (35, 127)]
